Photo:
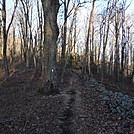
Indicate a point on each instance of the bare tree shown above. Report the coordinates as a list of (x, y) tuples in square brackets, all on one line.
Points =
[(86, 61), (106, 24), (13, 48), (40, 29), (117, 30), (26, 27), (5, 33)]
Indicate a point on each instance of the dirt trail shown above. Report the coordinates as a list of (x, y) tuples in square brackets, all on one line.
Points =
[(85, 113), (72, 103), (68, 116)]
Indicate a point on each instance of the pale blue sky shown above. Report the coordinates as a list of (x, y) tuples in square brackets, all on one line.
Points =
[(131, 7), (99, 5), (9, 4)]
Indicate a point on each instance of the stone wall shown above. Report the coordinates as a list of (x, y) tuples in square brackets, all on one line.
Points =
[(119, 103)]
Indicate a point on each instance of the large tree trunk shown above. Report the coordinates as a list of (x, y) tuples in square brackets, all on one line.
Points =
[(50, 9)]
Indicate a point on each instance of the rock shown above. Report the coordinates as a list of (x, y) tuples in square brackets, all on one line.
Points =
[(106, 98), (102, 89), (83, 116), (120, 128), (118, 103)]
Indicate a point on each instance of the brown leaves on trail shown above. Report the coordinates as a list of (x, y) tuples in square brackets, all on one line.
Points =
[(20, 112), (76, 110)]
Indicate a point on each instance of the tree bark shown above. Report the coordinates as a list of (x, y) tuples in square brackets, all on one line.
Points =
[(0, 37), (64, 42), (123, 40), (116, 62), (5, 39), (40, 33), (51, 32), (86, 62), (13, 49)]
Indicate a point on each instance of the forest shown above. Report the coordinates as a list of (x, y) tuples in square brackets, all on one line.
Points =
[(66, 67)]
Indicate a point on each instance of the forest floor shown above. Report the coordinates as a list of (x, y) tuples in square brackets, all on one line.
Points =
[(76, 110)]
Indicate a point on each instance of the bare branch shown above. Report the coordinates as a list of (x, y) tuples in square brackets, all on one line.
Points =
[(16, 3)]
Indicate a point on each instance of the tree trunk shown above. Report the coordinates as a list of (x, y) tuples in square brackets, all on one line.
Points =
[(24, 26), (123, 40), (64, 42), (99, 49), (116, 64), (50, 9), (26, 39), (105, 40), (40, 33), (64, 34), (0, 37), (35, 52), (13, 49), (5, 39), (86, 62)]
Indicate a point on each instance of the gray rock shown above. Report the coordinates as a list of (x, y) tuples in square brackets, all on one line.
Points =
[(118, 103), (106, 98)]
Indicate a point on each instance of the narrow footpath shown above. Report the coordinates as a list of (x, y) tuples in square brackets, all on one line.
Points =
[(78, 108), (85, 113)]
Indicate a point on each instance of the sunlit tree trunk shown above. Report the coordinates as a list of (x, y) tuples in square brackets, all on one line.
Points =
[(40, 31), (13, 48), (100, 43), (86, 61)]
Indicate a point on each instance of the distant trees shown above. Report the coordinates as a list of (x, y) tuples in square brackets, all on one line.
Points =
[(111, 52), (5, 33), (26, 27), (70, 9), (105, 47), (114, 24), (29, 33)]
